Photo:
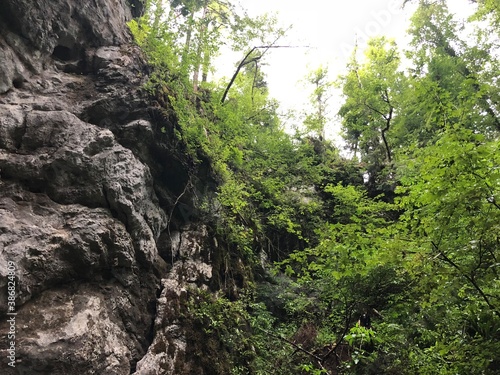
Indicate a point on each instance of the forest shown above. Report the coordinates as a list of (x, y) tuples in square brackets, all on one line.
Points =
[(383, 258)]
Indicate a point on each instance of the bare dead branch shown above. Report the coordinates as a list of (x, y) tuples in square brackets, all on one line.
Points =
[(247, 61)]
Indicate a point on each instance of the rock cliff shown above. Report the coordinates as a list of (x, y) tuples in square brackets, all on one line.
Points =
[(92, 242)]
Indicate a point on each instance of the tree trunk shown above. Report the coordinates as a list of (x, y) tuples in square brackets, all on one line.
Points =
[(185, 53), (201, 46)]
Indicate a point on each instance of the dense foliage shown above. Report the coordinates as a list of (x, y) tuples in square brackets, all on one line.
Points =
[(386, 262)]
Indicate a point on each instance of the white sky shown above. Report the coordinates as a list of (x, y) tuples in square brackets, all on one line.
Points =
[(331, 29)]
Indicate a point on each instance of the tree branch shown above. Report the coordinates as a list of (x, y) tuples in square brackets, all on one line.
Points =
[(240, 65), (384, 130), (348, 315), (388, 119), (246, 62), (468, 277), (298, 347)]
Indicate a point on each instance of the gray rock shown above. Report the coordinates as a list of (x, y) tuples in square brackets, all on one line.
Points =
[(90, 188), (167, 352), (13, 71), (65, 327), (34, 32)]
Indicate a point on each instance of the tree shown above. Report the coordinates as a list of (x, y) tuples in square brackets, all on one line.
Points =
[(316, 121), (488, 9), (368, 114), (447, 71), (183, 36)]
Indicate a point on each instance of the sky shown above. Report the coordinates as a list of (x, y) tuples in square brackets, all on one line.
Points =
[(330, 28)]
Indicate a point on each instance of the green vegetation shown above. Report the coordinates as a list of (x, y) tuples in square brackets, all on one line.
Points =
[(386, 262)]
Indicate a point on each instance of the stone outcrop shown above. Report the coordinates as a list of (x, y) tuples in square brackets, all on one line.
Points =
[(89, 185), (191, 267)]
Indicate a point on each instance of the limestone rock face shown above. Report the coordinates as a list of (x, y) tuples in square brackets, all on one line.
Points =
[(191, 267), (64, 30), (89, 186)]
